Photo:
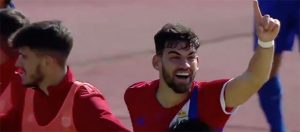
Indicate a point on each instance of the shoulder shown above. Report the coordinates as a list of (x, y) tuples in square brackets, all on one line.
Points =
[(88, 97), (136, 88), (212, 89), (140, 88), (142, 85), (138, 85), (86, 90), (212, 101), (213, 84)]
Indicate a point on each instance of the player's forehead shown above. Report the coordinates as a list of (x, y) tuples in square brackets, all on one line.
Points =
[(26, 51), (180, 47)]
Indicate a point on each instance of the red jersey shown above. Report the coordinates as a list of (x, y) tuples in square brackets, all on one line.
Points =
[(147, 114), (11, 97), (90, 112), (63, 120)]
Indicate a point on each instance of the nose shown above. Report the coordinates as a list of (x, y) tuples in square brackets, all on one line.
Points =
[(184, 64)]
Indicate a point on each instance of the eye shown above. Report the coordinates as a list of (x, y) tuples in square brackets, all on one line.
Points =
[(23, 56), (174, 57), (192, 58)]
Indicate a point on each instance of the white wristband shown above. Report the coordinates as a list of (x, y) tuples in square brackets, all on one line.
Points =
[(268, 44)]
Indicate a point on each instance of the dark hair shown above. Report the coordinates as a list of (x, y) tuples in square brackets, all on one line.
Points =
[(7, 1), (47, 37), (169, 34), (191, 125), (10, 21)]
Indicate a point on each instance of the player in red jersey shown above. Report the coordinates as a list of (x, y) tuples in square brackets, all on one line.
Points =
[(55, 101), (11, 90), (175, 96)]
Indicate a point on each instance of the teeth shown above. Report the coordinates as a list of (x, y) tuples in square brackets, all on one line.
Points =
[(182, 74)]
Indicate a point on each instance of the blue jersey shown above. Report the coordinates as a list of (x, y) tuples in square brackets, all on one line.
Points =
[(288, 13)]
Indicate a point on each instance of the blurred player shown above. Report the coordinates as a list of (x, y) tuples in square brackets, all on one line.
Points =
[(270, 96), (11, 90)]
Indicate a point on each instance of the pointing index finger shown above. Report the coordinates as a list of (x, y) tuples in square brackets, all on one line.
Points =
[(257, 12)]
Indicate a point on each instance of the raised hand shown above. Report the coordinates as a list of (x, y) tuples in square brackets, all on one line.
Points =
[(267, 28)]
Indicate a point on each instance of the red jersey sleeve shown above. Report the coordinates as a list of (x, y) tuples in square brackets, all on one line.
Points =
[(129, 95), (210, 105), (91, 112)]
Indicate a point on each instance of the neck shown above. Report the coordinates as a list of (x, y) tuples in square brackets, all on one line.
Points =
[(54, 77), (167, 97)]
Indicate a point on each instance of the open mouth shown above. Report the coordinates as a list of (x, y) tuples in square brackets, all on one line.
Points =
[(20, 72), (182, 75)]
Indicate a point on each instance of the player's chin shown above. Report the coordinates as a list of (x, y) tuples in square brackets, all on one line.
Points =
[(26, 84), (182, 88)]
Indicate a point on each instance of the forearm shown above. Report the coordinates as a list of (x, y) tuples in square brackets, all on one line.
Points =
[(240, 89), (260, 66)]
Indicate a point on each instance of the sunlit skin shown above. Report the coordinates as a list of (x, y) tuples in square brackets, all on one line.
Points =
[(177, 67), (38, 69), (30, 67)]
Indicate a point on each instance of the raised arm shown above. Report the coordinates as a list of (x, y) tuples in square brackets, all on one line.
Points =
[(240, 89)]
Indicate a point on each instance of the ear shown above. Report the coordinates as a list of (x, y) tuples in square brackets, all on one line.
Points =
[(156, 62), (48, 61), (197, 66)]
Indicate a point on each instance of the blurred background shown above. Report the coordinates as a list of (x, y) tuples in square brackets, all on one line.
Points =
[(114, 46)]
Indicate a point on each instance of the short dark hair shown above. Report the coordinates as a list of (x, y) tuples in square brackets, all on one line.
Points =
[(47, 37), (171, 33), (10, 21)]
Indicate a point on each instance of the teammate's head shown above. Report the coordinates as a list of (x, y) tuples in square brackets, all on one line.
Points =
[(42, 47), (49, 38), (10, 21), (176, 58)]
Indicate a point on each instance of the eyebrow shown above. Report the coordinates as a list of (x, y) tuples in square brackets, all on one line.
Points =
[(174, 52), (193, 52)]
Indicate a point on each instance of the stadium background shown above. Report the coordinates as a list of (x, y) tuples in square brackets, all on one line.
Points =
[(114, 46)]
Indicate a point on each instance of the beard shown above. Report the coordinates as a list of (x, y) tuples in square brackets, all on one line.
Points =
[(177, 88), (35, 78)]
